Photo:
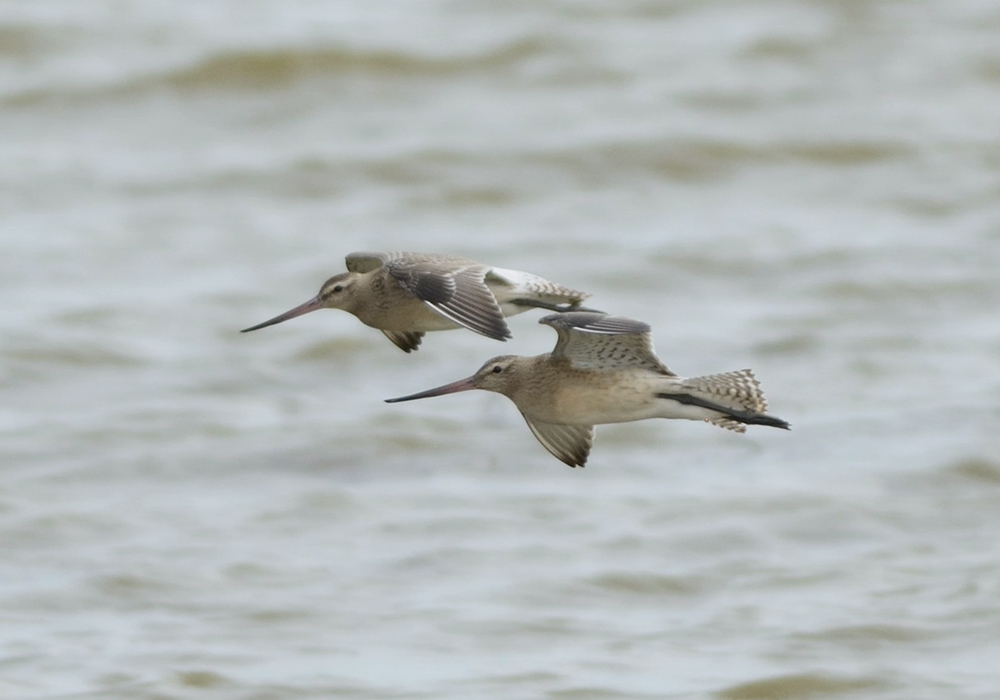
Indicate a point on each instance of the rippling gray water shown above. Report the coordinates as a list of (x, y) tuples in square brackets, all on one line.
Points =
[(811, 189)]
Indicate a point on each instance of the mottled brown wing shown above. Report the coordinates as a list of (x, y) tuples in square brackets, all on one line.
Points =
[(366, 262), (596, 341)]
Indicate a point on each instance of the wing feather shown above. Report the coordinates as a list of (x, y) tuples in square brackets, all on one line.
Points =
[(365, 262), (454, 288), (569, 443), (407, 341), (596, 341)]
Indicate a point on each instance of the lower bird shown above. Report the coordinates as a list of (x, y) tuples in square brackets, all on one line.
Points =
[(603, 370), (405, 295)]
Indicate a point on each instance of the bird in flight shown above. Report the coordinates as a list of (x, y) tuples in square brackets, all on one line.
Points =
[(405, 295), (603, 370)]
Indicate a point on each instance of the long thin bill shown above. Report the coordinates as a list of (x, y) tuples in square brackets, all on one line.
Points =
[(311, 305), (460, 385)]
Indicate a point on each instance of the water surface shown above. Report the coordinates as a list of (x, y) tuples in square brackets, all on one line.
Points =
[(805, 188)]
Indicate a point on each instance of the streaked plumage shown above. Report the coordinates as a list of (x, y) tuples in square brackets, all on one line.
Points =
[(405, 295), (604, 370)]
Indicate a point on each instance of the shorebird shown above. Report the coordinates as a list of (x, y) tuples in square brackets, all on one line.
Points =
[(603, 370), (404, 295)]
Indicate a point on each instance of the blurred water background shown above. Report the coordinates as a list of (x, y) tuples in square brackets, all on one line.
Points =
[(807, 187)]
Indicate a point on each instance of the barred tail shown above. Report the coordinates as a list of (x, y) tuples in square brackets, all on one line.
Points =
[(735, 395), (525, 290)]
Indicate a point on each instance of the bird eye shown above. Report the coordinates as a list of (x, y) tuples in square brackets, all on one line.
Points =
[(497, 369), (338, 288)]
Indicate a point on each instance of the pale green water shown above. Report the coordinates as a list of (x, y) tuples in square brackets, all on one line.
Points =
[(810, 189)]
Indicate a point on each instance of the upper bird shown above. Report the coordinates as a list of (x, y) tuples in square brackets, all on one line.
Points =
[(603, 370), (405, 295)]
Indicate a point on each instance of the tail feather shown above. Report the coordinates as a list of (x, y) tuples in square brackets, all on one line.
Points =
[(735, 395), (739, 390), (729, 424), (526, 289)]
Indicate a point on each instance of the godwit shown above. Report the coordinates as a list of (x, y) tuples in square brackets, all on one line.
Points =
[(603, 370), (405, 295)]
